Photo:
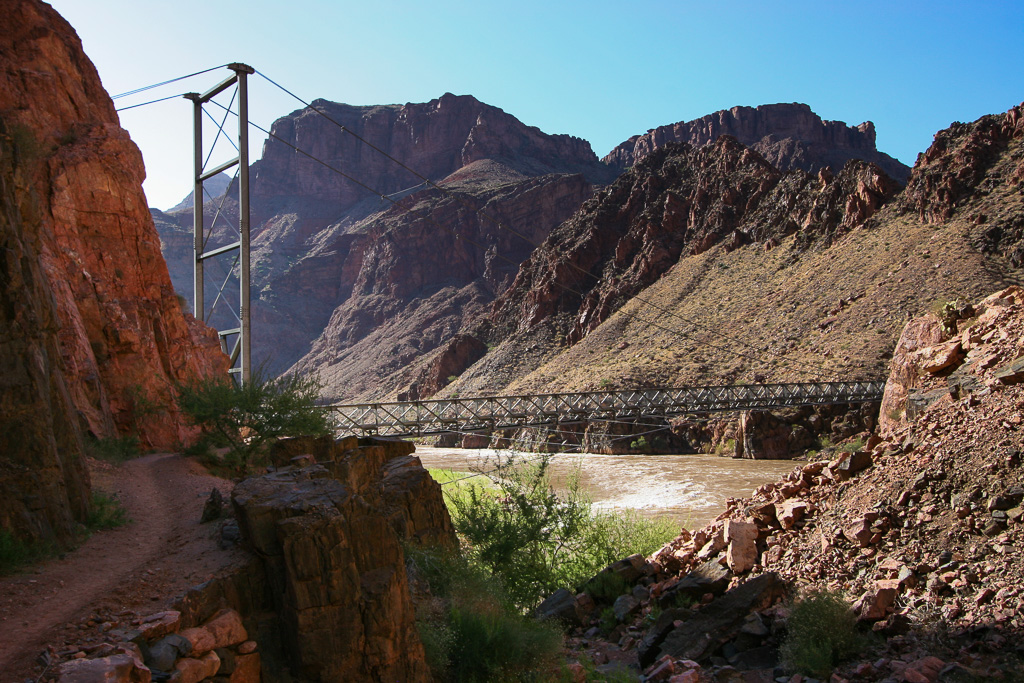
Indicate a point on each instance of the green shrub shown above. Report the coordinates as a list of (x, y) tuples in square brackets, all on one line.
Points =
[(822, 631), (106, 512), (852, 446), (248, 418), (113, 449), (15, 553), (477, 634), (639, 444), (536, 540)]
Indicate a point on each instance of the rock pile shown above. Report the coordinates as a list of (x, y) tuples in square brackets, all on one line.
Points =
[(158, 649), (921, 530)]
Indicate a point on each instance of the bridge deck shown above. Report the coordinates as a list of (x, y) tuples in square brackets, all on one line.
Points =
[(438, 416)]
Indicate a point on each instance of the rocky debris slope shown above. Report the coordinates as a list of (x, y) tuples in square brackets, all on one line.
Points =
[(123, 336), (789, 136), (921, 530), (325, 595)]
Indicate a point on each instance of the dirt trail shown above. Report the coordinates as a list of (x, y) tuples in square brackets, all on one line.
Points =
[(134, 570)]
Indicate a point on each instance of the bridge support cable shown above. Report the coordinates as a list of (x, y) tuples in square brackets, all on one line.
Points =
[(235, 341), (439, 416)]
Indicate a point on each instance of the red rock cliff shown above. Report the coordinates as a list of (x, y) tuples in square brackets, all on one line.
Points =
[(789, 136), (123, 337)]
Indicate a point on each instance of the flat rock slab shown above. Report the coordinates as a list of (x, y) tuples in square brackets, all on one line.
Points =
[(714, 624), (710, 577)]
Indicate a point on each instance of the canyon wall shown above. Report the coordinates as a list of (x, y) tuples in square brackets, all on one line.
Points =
[(123, 337)]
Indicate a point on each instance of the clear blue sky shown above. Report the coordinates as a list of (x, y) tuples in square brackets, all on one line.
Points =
[(602, 71)]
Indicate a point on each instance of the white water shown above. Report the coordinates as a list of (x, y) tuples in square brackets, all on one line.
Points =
[(690, 489)]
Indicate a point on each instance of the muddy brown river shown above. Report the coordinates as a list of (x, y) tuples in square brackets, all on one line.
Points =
[(690, 489)]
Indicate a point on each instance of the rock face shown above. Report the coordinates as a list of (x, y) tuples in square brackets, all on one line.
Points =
[(789, 136), (975, 168), (329, 536), (681, 200), (42, 475), (747, 274), (678, 202), (123, 337)]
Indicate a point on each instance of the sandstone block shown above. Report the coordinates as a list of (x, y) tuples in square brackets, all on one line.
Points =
[(853, 463), (875, 604), (935, 359), (226, 628), (742, 539), (159, 625), (247, 669), (194, 670), (790, 512), (859, 532)]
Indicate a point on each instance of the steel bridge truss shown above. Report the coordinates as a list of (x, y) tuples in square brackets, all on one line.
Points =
[(422, 418), (238, 350)]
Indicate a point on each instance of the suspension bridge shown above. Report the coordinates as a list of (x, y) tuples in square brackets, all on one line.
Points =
[(439, 416), (422, 418)]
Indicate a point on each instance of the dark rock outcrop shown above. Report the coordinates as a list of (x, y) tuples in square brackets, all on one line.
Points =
[(42, 475), (329, 539), (789, 136)]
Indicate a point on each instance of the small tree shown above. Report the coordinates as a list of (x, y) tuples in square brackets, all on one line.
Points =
[(249, 417)]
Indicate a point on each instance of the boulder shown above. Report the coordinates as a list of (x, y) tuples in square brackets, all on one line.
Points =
[(853, 463), (562, 606), (791, 512), (742, 539), (331, 555), (193, 670)]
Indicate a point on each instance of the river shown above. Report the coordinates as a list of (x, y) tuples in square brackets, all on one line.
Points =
[(690, 489)]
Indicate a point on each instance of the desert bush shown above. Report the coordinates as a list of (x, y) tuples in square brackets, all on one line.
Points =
[(105, 512), (477, 634), (822, 631), (248, 417), (535, 540)]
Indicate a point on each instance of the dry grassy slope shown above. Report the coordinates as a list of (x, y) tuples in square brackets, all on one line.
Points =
[(830, 312)]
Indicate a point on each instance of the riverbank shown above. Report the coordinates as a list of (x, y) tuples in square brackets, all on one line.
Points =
[(690, 489)]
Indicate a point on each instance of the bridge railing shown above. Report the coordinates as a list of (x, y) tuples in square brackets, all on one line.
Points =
[(437, 416)]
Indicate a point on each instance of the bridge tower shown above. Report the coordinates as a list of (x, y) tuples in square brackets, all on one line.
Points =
[(234, 340)]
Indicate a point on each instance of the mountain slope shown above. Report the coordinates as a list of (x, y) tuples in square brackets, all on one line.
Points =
[(747, 274)]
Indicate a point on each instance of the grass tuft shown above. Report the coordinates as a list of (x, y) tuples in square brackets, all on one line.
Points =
[(822, 632)]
